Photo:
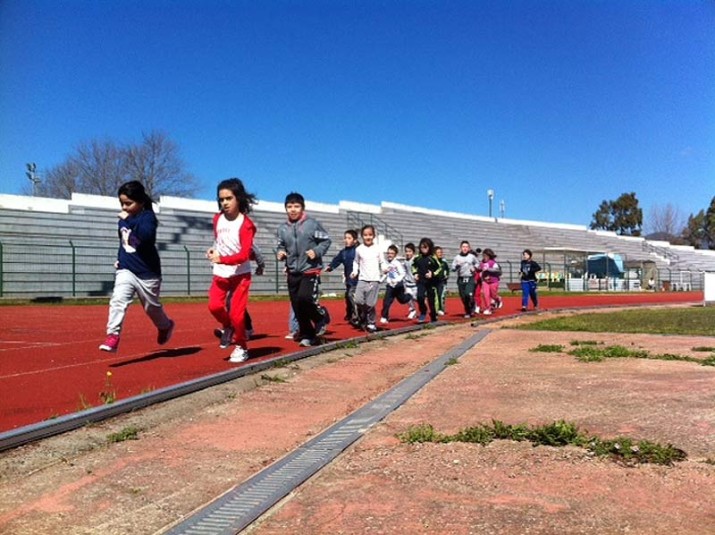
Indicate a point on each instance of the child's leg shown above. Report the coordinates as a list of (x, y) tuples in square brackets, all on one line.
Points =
[(421, 295), (148, 291), (387, 302), (353, 306), (121, 298), (219, 301), (237, 308), (371, 293), (532, 292), (525, 292), (433, 300)]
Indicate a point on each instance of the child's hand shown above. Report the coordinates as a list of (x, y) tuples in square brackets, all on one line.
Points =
[(281, 255), (259, 270), (123, 214), (116, 264), (428, 275), (310, 254), (213, 256)]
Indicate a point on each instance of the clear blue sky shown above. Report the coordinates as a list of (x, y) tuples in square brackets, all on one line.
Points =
[(556, 105)]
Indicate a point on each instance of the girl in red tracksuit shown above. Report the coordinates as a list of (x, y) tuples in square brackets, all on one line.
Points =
[(230, 255)]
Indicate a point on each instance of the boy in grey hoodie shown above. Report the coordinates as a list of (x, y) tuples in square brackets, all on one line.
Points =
[(302, 243)]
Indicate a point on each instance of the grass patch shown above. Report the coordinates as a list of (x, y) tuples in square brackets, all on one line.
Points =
[(696, 321), (585, 342), (272, 378), (547, 348), (128, 433), (556, 434), (588, 352), (704, 349), (452, 361)]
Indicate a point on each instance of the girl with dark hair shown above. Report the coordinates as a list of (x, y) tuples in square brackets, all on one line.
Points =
[(138, 267), (230, 255), (491, 275), (427, 269)]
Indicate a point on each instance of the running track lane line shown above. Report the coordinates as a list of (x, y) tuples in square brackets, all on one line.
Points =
[(241, 506), (49, 428)]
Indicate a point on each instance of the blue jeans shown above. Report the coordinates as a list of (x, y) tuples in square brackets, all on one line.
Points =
[(528, 290)]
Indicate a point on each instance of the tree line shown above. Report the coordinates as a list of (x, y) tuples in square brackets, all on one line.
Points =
[(625, 217), (100, 166)]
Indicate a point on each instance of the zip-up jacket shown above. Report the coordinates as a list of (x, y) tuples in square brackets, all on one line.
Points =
[(295, 238), (137, 245)]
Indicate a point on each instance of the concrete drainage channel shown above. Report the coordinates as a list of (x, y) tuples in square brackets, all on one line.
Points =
[(240, 507)]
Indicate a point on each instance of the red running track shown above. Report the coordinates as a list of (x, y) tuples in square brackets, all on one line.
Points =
[(50, 365)]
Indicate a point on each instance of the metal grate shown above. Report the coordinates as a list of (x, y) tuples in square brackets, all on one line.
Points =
[(238, 508)]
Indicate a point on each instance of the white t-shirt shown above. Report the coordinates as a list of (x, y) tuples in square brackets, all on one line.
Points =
[(228, 242), (368, 263)]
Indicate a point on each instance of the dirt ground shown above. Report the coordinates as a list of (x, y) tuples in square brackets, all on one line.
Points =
[(191, 450)]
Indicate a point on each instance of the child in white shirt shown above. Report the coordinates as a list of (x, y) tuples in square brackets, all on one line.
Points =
[(368, 267)]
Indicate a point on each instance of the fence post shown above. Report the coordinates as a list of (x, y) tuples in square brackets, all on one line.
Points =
[(2, 264), (74, 269), (275, 254), (188, 270)]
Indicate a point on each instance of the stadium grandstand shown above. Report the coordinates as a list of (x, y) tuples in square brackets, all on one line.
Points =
[(52, 248)]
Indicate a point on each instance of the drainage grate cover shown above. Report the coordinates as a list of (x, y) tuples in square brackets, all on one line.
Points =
[(239, 507)]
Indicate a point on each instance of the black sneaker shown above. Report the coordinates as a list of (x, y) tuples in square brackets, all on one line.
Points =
[(225, 335), (322, 324)]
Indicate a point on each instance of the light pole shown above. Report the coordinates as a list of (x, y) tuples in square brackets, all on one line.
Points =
[(32, 176), (490, 195), (502, 208)]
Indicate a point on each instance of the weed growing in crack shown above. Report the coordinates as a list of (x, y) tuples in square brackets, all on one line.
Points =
[(556, 434)]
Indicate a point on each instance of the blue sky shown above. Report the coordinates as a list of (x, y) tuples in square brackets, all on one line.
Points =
[(556, 105)]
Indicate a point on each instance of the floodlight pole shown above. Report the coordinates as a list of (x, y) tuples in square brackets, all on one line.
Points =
[(490, 196), (32, 176)]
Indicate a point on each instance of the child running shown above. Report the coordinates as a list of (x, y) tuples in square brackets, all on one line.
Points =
[(395, 284), (410, 283), (441, 285), (491, 275), (368, 268), (230, 255), (346, 256), (465, 264), (528, 271), (138, 267), (427, 270), (302, 243)]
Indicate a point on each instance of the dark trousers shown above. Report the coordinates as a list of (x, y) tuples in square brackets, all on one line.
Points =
[(351, 313), (427, 291), (465, 285), (304, 291), (391, 293)]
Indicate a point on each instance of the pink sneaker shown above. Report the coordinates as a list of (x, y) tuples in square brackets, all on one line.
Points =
[(111, 343)]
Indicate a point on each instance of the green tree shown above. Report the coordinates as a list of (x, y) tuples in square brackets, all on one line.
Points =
[(700, 229), (622, 216)]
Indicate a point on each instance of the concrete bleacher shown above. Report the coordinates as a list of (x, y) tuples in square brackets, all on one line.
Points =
[(39, 238)]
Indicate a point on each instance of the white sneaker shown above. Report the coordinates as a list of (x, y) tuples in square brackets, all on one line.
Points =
[(384, 320), (476, 310), (307, 342), (487, 312), (440, 313), (412, 315), (238, 355), (290, 336)]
